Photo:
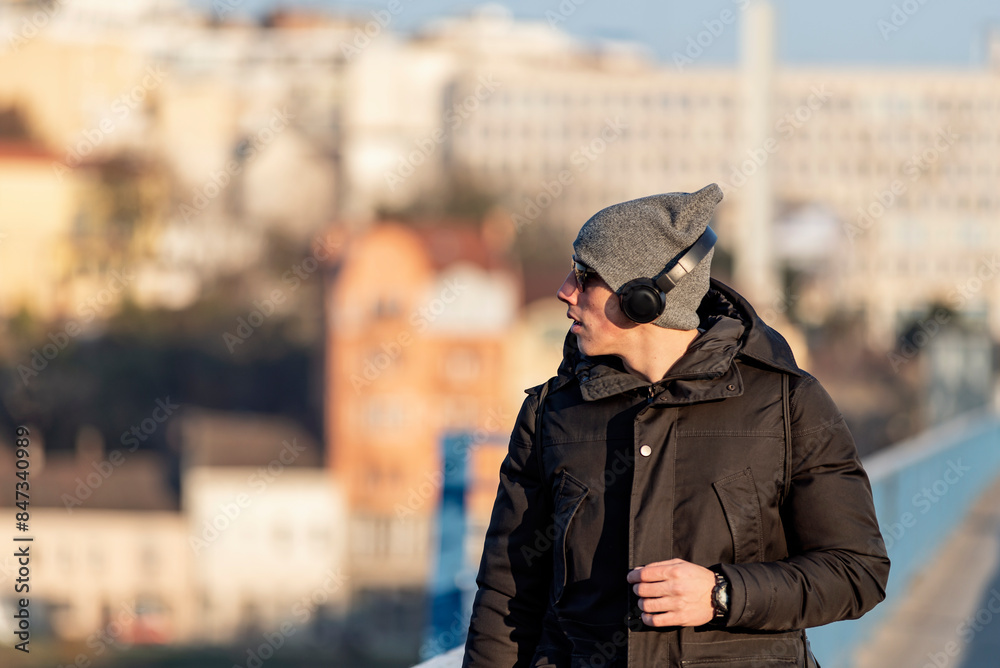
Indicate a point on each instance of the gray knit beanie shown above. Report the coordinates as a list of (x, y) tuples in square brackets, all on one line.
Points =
[(636, 239)]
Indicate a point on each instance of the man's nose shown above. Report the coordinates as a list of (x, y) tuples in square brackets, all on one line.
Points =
[(568, 290)]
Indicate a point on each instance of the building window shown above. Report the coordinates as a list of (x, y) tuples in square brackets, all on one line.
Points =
[(384, 413), (319, 537), (386, 307), (96, 560), (63, 613), (282, 536), (382, 535), (65, 559), (150, 560), (460, 412)]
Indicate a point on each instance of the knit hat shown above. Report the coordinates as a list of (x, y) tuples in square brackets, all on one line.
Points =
[(636, 239)]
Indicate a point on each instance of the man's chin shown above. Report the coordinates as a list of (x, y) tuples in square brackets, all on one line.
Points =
[(585, 346)]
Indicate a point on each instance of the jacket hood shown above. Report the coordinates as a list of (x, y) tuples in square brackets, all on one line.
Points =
[(731, 329)]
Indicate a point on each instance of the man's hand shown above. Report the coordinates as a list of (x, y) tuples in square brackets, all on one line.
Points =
[(674, 593)]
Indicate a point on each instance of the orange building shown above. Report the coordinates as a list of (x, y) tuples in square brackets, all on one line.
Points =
[(419, 320)]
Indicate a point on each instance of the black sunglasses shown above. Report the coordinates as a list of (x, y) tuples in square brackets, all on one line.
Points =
[(580, 270)]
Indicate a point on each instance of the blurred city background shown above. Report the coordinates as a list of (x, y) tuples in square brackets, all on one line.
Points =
[(274, 276)]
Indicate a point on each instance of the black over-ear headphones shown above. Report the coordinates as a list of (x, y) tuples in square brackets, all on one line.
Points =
[(643, 299)]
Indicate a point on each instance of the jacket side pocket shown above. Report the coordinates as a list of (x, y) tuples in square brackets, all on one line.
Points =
[(568, 497), (716, 648), (738, 496)]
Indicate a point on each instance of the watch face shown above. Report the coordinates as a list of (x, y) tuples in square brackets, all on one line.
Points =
[(720, 596)]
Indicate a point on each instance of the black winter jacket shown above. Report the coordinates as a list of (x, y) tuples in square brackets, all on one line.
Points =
[(797, 539)]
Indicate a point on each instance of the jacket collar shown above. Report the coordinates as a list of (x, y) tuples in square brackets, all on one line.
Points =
[(731, 329), (761, 342)]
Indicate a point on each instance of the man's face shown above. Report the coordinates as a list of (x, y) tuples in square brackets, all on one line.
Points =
[(598, 322)]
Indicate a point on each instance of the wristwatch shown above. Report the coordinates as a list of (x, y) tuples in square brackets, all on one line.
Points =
[(720, 599)]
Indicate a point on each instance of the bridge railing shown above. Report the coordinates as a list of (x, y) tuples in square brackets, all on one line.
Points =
[(922, 489)]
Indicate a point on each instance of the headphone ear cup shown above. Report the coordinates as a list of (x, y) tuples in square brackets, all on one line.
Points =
[(641, 301)]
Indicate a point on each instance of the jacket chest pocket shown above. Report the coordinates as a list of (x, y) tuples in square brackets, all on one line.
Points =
[(741, 504), (569, 495)]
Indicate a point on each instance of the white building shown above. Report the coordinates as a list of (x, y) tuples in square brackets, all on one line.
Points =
[(559, 132), (256, 546)]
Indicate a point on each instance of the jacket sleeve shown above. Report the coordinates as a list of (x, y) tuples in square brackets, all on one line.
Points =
[(515, 569), (837, 566)]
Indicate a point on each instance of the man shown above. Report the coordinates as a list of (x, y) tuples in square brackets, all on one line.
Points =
[(680, 493)]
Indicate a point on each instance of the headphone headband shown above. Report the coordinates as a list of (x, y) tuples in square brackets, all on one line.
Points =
[(685, 263)]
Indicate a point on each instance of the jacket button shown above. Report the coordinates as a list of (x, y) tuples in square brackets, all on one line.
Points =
[(730, 387), (645, 451)]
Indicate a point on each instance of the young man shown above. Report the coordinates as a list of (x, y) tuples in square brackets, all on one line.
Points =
[(680, 493)]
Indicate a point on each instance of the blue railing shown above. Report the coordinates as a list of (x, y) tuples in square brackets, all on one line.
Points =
[(922, 489)]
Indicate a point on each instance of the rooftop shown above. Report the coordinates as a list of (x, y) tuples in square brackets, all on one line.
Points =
[(230, 439)]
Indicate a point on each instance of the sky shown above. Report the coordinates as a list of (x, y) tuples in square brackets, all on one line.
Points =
[(935, 33)]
